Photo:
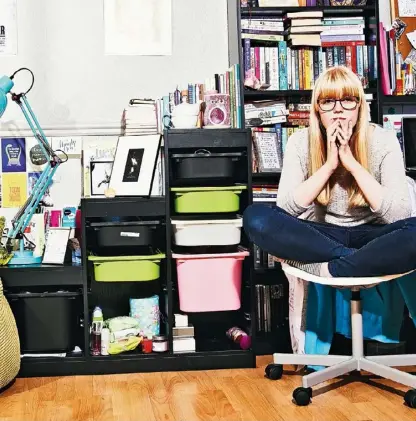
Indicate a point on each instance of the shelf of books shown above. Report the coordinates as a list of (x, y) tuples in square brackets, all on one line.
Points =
[(283, 51)]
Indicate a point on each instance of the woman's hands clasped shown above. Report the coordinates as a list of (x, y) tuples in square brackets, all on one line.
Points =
[(345, 155), (332, 148), (339, 134)]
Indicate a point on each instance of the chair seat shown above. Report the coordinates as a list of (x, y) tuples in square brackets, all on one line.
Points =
[(340, 282)]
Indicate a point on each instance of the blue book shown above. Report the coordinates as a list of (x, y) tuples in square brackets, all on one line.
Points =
[(282, 65)]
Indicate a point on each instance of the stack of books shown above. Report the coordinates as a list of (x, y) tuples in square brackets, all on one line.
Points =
[(304, 28), (140, 118), (345, 44), (262, 113)]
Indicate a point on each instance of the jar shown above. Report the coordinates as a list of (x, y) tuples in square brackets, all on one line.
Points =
[(160, 343), (147, 345)]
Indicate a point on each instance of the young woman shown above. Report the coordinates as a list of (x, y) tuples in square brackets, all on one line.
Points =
[(345, 177)]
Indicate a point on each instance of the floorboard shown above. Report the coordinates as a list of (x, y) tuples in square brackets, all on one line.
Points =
[(220, 395)]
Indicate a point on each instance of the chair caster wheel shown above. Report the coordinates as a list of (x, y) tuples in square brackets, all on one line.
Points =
[(410, 398), (274, 371), (302, 396)]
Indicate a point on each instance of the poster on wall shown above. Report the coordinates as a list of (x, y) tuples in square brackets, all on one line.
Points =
[(13, 154), (14, 189), (138, 27), (32, 178), (8, 28), (70, 146), (35, 158)]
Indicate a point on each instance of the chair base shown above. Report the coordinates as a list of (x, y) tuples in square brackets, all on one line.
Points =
[(338, 365)]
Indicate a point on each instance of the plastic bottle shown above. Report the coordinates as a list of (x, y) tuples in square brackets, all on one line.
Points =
[(240, 337), (105, 341), (96, 329)]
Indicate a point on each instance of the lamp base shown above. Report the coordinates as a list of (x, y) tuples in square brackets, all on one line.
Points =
[(25, 257)]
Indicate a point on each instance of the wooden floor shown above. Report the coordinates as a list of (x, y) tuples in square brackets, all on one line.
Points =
[(190, 396)]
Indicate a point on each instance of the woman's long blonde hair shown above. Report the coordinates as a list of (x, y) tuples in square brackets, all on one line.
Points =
[(338, 82)]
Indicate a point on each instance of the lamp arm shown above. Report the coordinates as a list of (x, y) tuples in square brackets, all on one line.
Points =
[(23, 216)]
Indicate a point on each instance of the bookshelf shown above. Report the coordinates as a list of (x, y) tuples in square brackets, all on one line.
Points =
[(269, 274)]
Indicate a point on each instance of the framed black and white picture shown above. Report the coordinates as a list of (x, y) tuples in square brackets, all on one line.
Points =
[(134, 165), (100, 176)]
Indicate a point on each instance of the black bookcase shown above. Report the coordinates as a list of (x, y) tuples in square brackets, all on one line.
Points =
[(278, 340), (210, 327), (213, 349)]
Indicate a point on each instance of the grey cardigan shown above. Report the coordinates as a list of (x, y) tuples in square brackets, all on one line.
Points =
[(385, 164)]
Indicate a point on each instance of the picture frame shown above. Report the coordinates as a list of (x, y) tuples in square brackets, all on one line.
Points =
[(56, 247), (135, 164), (100, 176)]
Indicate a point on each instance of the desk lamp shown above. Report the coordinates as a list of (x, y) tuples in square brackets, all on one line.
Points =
[(22, 218)]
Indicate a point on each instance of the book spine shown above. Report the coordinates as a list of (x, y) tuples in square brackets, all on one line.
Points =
[(283, 65), (247, 57)]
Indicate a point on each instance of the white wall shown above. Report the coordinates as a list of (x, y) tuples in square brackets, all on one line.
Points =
[(76, 85)]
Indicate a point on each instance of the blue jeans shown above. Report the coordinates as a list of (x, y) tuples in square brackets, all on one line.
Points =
[(359, 251)]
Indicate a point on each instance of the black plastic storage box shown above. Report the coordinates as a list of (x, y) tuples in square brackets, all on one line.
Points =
[(204, 165), (126, 234), (47, 321)]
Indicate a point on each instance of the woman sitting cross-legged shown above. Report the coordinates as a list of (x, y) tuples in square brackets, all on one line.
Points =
[(349, 174)]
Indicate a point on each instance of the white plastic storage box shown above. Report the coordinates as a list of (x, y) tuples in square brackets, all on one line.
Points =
[(210, 282), (221, 232)]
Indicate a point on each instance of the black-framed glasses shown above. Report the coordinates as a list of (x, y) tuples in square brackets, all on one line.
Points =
[(349, 103)]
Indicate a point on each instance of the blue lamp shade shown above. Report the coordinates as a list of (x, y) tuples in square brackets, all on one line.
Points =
[(6, 85)]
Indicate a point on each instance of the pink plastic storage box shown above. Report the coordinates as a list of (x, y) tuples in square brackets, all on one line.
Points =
[(209, 282)]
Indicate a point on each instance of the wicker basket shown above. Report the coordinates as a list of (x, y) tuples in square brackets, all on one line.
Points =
[(348, 3), (9, 343)]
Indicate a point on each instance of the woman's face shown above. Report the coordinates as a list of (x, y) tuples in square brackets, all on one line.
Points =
[(343, 109)]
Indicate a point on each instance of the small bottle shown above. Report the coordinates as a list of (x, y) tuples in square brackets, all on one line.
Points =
[(240, 337), (96, 329), (105, 341)]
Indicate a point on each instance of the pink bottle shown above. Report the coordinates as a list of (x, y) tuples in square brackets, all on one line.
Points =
[(240, 337)]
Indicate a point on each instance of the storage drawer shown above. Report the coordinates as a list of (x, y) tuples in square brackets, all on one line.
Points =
[(210, 282), (126, 234), (126, 268), (221, 232), (207, 199), (47, 322), (193, 168)]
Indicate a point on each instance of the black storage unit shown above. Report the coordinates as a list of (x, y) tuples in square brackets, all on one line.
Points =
[(126, 234), (49, 318), (205, 166), (48, 322)]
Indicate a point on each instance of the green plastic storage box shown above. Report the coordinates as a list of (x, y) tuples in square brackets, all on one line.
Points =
[(207, 199), (126, 268)]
